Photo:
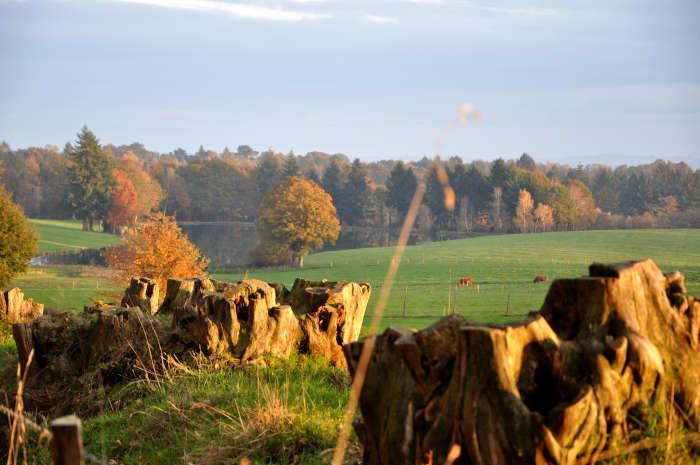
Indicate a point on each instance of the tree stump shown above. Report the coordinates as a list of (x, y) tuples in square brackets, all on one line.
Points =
[(143, 293), (333, 313), (557, 388), (15, 308)]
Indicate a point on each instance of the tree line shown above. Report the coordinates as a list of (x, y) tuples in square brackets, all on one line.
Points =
[(113, 186)]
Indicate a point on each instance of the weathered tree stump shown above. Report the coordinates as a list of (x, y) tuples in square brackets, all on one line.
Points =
[(143, 293), (333, 313), (244, 321), (558, 388), (15, 308)]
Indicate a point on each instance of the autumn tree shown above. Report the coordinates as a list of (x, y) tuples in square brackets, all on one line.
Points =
[(91, 180), (17, 239), (148, 191), (295, 217), (157, 249), (524, 217), (581, 196), (497, 209), (124, 202), (544, 217)]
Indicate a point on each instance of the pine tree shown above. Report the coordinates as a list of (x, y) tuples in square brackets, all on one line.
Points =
[(291, 166), (401, 186), (91, 179), (355, 205), (333, 180)]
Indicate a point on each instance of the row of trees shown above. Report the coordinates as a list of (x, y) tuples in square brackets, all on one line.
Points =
[(118, 184)]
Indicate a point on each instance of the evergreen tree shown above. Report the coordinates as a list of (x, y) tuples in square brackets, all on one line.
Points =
[(91, 179), (291, 167), (333, 180), (268, 173), (401, 186), (526, 162), (355, 205)]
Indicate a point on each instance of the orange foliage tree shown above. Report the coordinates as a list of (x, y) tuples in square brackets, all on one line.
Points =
[(122, 211), (295, 217), (157, 249)]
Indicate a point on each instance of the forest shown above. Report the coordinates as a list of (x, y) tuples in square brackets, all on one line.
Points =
[(500, 196)]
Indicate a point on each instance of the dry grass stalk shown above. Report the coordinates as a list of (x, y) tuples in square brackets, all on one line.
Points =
[(361, 370), (18, 423)]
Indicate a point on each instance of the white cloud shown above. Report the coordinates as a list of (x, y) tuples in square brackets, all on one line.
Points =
[(526, 11), (238, 10), (381, 19)]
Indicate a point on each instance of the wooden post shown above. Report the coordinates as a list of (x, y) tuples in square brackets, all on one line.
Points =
[(405, 291), (67, 441), (508, 306), (449, 294)]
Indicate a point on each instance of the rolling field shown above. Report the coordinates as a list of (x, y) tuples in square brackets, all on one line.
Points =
[(502, 267), (55, 235)]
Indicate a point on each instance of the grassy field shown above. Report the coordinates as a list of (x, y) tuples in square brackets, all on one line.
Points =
[(55, 235), (502, 266), (289, 412)]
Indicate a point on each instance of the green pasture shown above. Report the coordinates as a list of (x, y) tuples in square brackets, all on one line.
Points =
[(68, 287), (502, 267), (55, 235)]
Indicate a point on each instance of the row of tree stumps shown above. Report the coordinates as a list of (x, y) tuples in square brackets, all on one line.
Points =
[(240, 322), (565, 386)]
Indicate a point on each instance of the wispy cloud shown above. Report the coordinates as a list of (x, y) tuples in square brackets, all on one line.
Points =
[(524, 11), (238, 10), (381, 19)]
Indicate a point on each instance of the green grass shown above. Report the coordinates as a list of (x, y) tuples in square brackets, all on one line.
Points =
[(55, 235), (67, 287), (502, 266), (213, 416)]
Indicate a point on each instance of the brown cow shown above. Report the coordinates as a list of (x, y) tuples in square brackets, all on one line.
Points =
[(540, 278), (466, 281)]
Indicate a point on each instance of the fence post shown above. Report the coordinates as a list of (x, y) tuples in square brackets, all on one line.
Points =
[(67, 441), (405, 291)]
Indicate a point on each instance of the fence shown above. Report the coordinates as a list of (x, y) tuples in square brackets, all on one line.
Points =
[(64, 435)]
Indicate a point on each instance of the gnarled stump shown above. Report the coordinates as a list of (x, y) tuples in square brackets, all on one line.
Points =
[(333, 312), (558, 388), (15, 308), (244, 322), (143, 293)]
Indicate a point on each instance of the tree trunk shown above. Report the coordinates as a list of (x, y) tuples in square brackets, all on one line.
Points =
[(86, 224), (559, 388)]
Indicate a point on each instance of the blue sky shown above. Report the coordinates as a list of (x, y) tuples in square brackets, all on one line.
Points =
[(573, 81)]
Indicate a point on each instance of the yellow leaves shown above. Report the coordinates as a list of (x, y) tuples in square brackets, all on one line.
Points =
[(157, 249), (297, 216)]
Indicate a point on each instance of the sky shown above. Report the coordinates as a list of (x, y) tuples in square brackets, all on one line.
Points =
[(566, 81)]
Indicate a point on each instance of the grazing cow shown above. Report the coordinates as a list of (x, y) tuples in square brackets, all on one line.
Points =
[(540, 278), (466, 281)]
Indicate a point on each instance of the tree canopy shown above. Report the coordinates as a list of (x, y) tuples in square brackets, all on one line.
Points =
[(17, 239), (157, 249), (295, 217)]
